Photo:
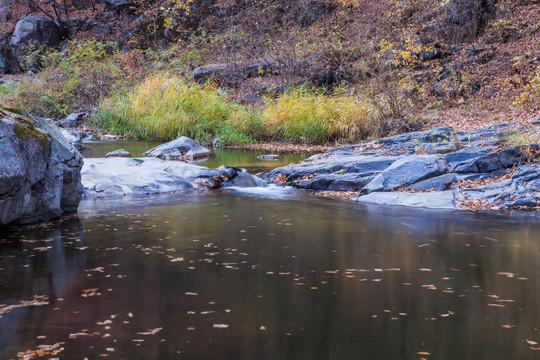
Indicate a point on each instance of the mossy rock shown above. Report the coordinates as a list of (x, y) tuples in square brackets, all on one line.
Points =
[(24, 127)]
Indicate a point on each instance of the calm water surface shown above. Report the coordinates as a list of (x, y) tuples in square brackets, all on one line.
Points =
[(265, 274), (241, 158)]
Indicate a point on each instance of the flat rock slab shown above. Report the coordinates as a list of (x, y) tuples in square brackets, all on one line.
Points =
[(433, 200), (122, 176)]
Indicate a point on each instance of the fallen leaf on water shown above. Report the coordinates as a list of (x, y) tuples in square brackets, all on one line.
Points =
[(506, 326), (150, 331), (507, 274), (220, 326), (191, 294), (423, 353)]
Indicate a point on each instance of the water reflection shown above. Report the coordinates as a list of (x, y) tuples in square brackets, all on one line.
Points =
[(38, 265), (240, 158), (224, 276)]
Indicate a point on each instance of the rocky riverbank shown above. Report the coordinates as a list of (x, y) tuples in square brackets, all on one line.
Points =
[(438, 168)]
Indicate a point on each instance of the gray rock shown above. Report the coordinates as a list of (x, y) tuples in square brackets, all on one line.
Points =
[(101, 29), (4, 12), (465, 156), (108, 137), (8, 60), (406, 171), (35, 28), (182, 148), (335, 182), (71, 120), (209, 72), (123, 176), (269, 157), (482, 159), (118, 153), (350, 182), (39, 171), (430, 54), (433, 200), (334, 163), (438, 183)]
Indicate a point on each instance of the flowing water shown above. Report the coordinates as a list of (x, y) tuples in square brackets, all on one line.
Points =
[(270, 273)]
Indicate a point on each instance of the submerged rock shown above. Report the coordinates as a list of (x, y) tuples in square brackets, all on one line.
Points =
[(183, 148), (269, 157), (39, 170)]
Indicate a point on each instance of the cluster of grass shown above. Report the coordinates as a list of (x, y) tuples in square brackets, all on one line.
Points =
[(165, 106)]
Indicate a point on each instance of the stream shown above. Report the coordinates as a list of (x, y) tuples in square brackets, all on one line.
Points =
[(269, 273)]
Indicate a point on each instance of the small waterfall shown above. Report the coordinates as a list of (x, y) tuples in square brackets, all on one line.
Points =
[(245, 179), (251, 185)]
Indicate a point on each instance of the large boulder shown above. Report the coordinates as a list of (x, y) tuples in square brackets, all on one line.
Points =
[(465, 18), (39, 170), (182, 148), (35, 28)]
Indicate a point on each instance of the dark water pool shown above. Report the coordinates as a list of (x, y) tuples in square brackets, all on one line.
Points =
[(225, 275)]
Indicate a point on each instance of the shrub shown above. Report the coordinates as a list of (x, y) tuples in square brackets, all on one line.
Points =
[(79, 78)]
